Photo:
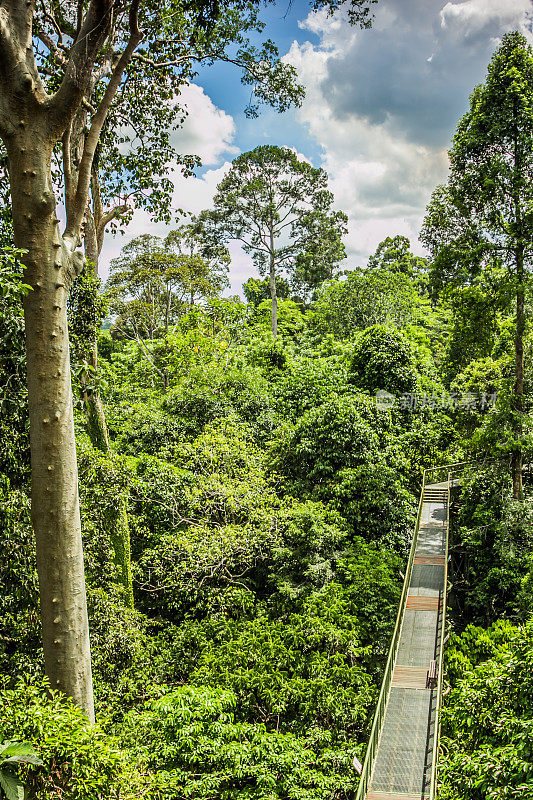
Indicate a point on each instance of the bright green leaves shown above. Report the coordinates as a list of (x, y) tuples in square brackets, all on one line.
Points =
[(65, 755), (364, 298), (154, 282), (383, 359), (14, 439), (11, 755), (334, 435), (394, 254), (487, 722), (195, 748)]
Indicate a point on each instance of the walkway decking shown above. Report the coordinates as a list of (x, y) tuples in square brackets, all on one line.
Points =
[(402, 768)]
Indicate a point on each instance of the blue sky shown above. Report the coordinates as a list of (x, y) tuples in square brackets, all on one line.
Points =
[(381, 106), (221, 82)]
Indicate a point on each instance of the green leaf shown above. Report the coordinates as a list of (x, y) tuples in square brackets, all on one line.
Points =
[(11, 785), (20, 751)]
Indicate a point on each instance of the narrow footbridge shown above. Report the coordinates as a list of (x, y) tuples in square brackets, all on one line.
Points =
[(401, 759)]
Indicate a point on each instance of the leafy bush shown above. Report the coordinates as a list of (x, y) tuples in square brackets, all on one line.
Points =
[(488, 719), (12, 754), (20, 647), (333, 436), (308, 382), (80, 761), (193, 746), (14, 427), (374, 503), (382, 359), (365, 298), (495, 534)]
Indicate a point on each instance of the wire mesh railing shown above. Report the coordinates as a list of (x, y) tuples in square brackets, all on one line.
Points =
[(446, 474), (440, 660)]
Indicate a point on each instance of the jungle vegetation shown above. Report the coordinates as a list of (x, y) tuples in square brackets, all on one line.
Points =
[(248, 469)]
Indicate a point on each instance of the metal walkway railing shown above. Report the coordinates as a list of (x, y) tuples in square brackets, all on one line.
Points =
[(402, 754)]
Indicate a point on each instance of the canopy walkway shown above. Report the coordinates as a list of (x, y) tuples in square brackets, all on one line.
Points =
[(401, 759)]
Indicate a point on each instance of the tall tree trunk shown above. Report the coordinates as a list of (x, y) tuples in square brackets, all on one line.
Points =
[(54, 494), (99, 436), (273, 292), (518, 396), (167, 311)]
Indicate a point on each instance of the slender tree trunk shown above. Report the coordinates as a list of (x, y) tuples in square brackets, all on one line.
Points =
[(273, 292), (99, 436), (518, 398), (94, 409), (167, 311), (54, 494), (518, 394), (90, 241)]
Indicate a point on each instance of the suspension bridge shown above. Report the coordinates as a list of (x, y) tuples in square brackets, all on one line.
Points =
[(402, 754)]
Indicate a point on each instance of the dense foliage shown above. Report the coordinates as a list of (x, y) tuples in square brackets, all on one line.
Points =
[(269, 503), (271, 486)]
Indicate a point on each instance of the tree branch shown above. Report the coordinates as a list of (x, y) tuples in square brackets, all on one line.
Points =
[(47, 40), (91, 141), (106, 218), (78, 70)]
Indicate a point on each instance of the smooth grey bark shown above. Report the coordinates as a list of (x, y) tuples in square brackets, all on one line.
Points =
[(54, 493), (518, 397)]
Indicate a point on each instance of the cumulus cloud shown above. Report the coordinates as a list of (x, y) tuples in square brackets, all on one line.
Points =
[(208, 132), (383, 103), (478, 17)]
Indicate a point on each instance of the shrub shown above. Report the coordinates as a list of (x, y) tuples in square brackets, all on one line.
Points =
[(333, 436), (80, 761), (192, 746)]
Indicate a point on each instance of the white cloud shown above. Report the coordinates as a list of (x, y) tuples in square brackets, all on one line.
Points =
[(209, 132), (383, 103), (472, 16)]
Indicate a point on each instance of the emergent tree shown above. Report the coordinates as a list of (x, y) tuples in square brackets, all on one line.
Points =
[(280, 209), (482, 218)]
